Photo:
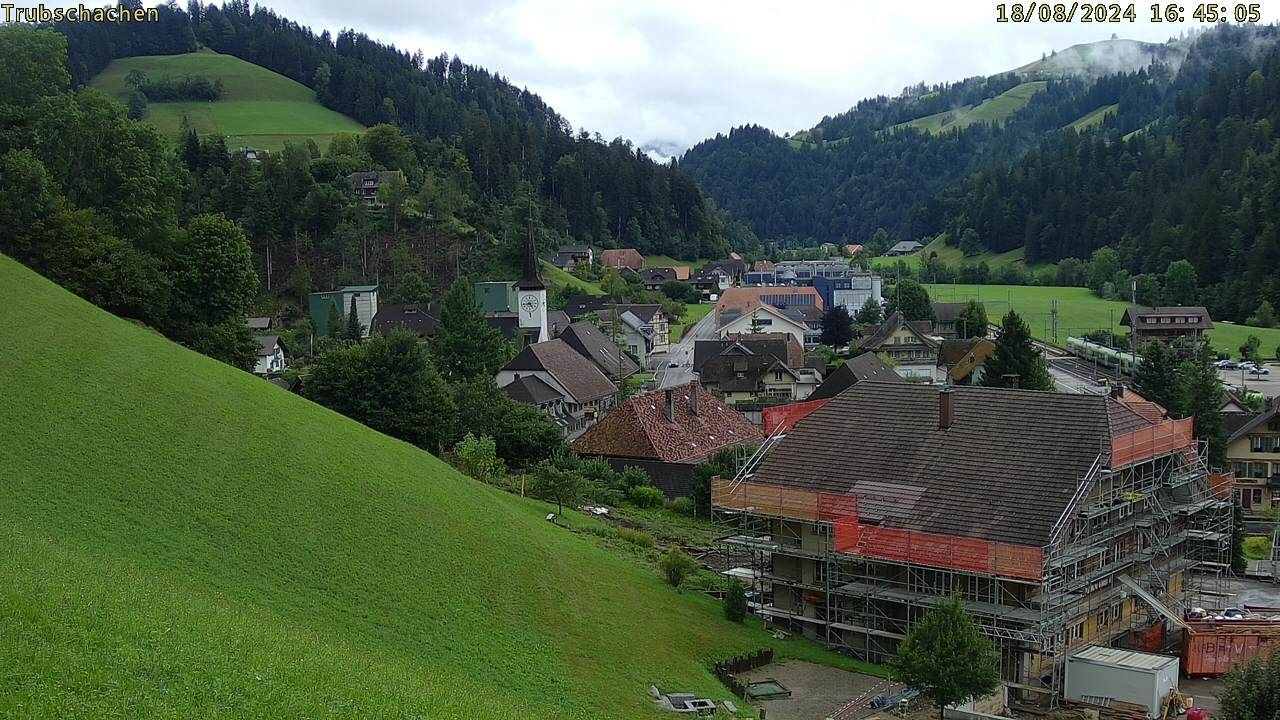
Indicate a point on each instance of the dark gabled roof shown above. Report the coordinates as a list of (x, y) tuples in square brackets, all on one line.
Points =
[(638, 428), (729, 266), (781, 346), (905, 246), (947, 312), (416, 318), (740, 373), (658, 274), (267, 345), (1269, 412), (531, 390), (557, 321), (883, 331), (592, 344), (863, 368), (1202, 323), (576, 374), (578, 305), (258, 323), (507, 323), (802, 313), (1004, 471), (575, 249), (645, 313)]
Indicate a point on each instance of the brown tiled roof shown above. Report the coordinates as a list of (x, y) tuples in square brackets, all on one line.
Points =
[(745, 298), (863, 368), (578, 375), (592, 344), (1004, 471), (782, 346), (622, 258), (638, 428)]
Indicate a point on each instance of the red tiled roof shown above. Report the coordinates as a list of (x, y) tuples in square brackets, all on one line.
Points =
[(747, 298), (638, 428)]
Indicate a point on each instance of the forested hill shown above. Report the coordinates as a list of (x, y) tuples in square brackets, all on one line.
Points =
[(583, 188), (1158, 164)]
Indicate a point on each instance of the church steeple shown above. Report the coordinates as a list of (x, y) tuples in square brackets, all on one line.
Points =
[(531, 279)]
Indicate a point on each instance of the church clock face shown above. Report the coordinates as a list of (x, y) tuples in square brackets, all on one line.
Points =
[(529, 303)]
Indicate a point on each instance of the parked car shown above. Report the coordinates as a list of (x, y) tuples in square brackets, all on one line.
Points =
[(673, 364), (1247, 365), (1259, 371), (1226, 364)]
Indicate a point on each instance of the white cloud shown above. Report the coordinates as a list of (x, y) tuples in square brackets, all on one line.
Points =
[(672, 73)]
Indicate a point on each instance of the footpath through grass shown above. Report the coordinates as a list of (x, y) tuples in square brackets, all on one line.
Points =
[(183, 539), (259, 108)]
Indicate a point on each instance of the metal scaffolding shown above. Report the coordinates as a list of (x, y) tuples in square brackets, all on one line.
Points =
[(1148, 511)]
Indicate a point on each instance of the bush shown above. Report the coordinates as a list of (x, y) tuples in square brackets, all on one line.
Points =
[(735, 602), (635, 537), (645, 496), (632, 476), (478, 457), (681, 505), (676, 566)]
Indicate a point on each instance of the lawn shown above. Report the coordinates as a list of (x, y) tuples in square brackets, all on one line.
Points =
[(259, 108), (693, 312), (951, 255), (186, 540), (1079, 311), (668, 261), (557, 278), (991, 110), (1094, 118)]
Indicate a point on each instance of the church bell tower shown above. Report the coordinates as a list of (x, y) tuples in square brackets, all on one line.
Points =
[(531, 297)]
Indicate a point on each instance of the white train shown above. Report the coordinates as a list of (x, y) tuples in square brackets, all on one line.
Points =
[(1122, 360)]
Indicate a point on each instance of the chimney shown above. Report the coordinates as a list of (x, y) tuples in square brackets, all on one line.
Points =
[(946, 408), (671, 404), (693, 397), (1117, 390)]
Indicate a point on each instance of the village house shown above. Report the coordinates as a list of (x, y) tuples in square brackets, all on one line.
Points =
[(906, 247), (592, 344), (1167, 323), (757, 317), (749, 379), (944, 319), (782, 346), (667, 433), (735, 268), (586, 394), (367, 183), (863, 368), (1060, 520), (337, 303), (259, 324), (645, 320), (961, 362), (654, 278), (417, 318), (1253, 449), (711, 282), (910, 346), (743, 298), (622, 259), (569, 256), (271, 355)]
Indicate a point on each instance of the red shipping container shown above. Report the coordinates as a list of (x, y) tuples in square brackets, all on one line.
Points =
[(1211, 649)]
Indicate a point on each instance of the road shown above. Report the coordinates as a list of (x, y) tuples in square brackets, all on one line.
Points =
[(682, 354)]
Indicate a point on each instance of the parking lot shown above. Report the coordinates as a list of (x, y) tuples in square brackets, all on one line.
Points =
[(1268, 385)]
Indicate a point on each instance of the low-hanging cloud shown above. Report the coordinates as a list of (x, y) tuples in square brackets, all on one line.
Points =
[(666, 74)]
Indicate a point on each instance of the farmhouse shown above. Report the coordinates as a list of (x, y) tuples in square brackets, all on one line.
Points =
[(1061, 520), (1167, 323), (271, 355), (666, 433), (910, 345), (586, 393), (623, 259), (367, 183), (906, 247)]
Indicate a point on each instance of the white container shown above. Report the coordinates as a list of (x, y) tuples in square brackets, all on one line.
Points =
[(1096, 674)]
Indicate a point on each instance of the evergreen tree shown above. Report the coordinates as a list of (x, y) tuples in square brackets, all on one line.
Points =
[(333, 327), (735, 601), (911, 299), (1201, 400), (1016, 362), (355, 331), (870, 313), (465, 346), (1156, 377), (947, 657), (837, 326), (972, 320), (1265, 316)]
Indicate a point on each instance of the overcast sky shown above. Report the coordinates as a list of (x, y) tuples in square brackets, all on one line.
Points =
[(672, 72)]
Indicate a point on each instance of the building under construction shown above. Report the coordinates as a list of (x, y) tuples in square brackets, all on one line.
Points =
[(1061, 520)]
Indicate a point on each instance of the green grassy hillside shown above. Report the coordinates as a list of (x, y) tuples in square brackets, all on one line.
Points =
[(991, 110), (1094, 118), (952, 255), (258, 108), (182, 539), (557, 278)]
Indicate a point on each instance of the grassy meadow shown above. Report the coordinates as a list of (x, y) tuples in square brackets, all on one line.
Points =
[(184, 539), (259, 108), (992, 110), (951, 255), (1094, 118), (1080, 311), (693, 312)]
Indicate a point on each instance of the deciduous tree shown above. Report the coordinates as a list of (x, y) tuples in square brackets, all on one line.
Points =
[(837, 326), (972, 321), (947, 657), (911, 299)]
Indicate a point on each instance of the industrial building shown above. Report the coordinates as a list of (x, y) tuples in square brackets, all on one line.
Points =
[(1061, 520)]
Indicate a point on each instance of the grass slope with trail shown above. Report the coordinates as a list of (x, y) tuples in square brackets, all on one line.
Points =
[(258, 108), (183, 539)]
